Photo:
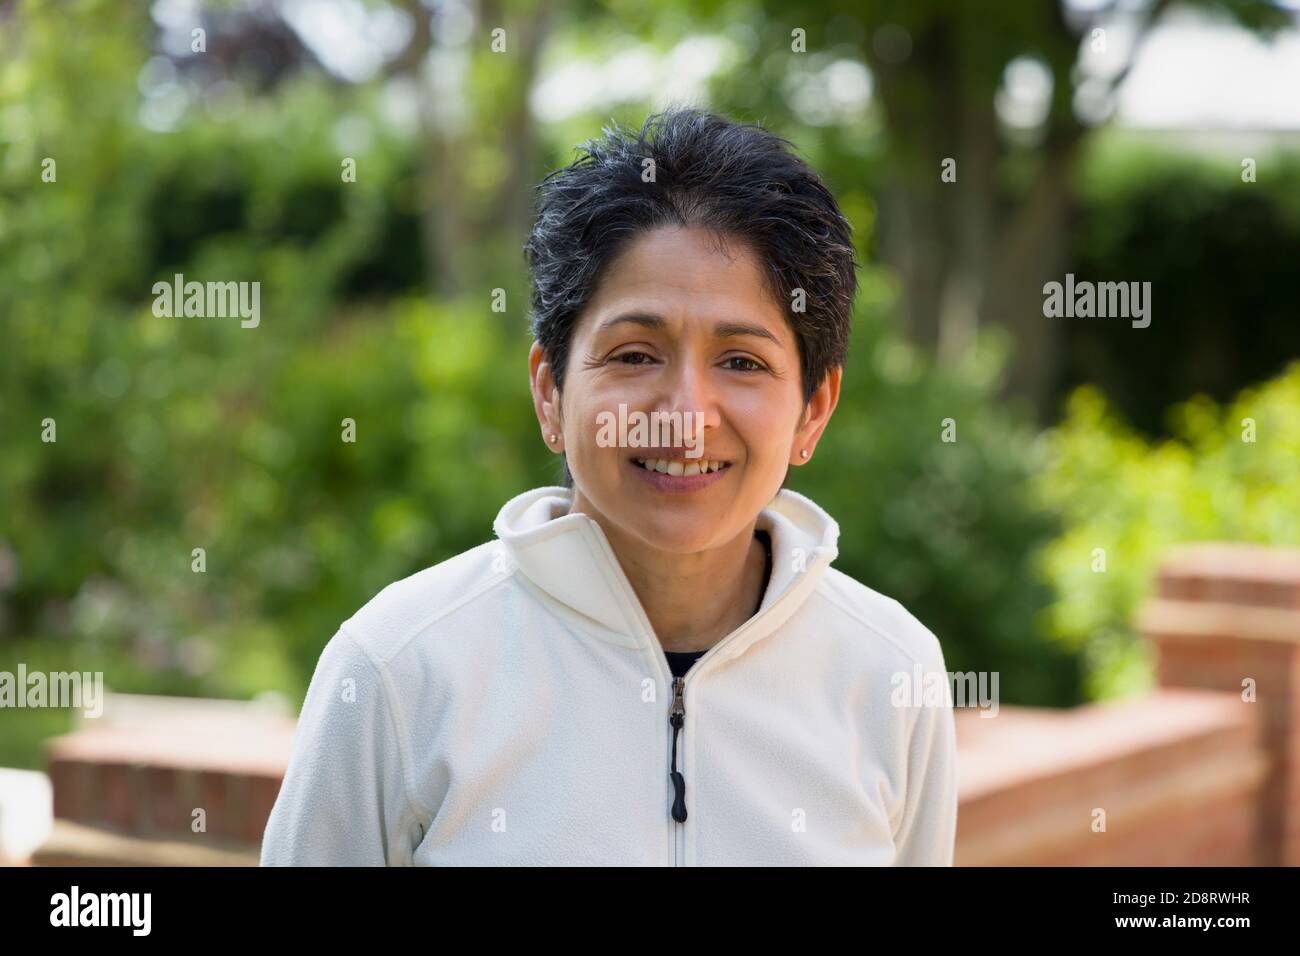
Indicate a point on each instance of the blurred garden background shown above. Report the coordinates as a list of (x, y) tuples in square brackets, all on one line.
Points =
[(1104, 139)]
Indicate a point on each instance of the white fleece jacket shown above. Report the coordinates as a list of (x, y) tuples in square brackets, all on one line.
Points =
[(511, 705)]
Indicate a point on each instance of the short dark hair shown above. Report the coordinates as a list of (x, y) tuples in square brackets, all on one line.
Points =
[(739, 181)]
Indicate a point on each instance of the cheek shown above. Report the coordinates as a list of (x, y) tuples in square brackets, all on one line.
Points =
[(582, 427), (765, 422)]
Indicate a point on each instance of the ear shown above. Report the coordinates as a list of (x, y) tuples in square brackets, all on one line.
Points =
[(546, 398), (816, 415)]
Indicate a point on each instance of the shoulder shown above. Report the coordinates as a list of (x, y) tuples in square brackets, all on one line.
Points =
[(881, 618), (394, 617)]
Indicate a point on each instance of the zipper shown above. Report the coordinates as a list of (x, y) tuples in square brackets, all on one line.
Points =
[(677, 719)]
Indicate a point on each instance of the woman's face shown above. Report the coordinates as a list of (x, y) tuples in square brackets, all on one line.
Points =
[(681, 324)]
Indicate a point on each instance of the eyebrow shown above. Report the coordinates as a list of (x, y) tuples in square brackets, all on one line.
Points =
[(722, 330)]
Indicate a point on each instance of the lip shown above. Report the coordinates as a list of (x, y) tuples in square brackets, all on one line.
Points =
[(678, 484)]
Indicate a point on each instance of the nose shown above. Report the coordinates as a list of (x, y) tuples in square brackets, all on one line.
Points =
[(689, 388)]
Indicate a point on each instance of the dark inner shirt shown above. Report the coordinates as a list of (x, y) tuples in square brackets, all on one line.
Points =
[(679, 662)]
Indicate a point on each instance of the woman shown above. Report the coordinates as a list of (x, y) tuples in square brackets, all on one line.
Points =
[(654, 664)]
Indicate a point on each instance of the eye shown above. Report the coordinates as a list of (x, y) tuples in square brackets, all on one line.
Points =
[(753, 366), (627, 357)]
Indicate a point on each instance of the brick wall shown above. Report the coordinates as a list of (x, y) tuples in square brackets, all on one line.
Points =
[(1169, 779), (1197, 773), (166, 780), (1228, 615)]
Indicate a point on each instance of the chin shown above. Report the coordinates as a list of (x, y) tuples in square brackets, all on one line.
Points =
[(676, 527)]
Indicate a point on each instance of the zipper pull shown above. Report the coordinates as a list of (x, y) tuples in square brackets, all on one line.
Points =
[(677, 717)]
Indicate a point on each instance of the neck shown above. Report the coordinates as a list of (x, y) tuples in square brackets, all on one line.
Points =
[(692, 600)]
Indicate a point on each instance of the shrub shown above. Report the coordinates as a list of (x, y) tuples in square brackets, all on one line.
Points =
[(1117, 491)]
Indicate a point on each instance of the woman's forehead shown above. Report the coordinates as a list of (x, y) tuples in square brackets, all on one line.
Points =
[(683, 276)]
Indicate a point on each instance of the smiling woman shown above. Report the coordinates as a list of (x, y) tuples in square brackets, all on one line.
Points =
[(654, 663)]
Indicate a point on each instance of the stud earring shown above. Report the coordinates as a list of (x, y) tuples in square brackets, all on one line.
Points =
[(804, 453), (553, 439)]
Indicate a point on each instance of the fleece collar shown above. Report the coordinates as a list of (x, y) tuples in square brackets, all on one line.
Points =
[(568, 557)]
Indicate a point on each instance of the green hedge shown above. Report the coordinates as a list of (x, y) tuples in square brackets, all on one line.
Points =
[(1135, 498)]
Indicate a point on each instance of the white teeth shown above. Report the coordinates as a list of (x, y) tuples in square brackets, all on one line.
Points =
[(668, 467)]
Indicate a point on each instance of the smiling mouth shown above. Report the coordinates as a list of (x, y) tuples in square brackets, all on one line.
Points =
[(675, 466)]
